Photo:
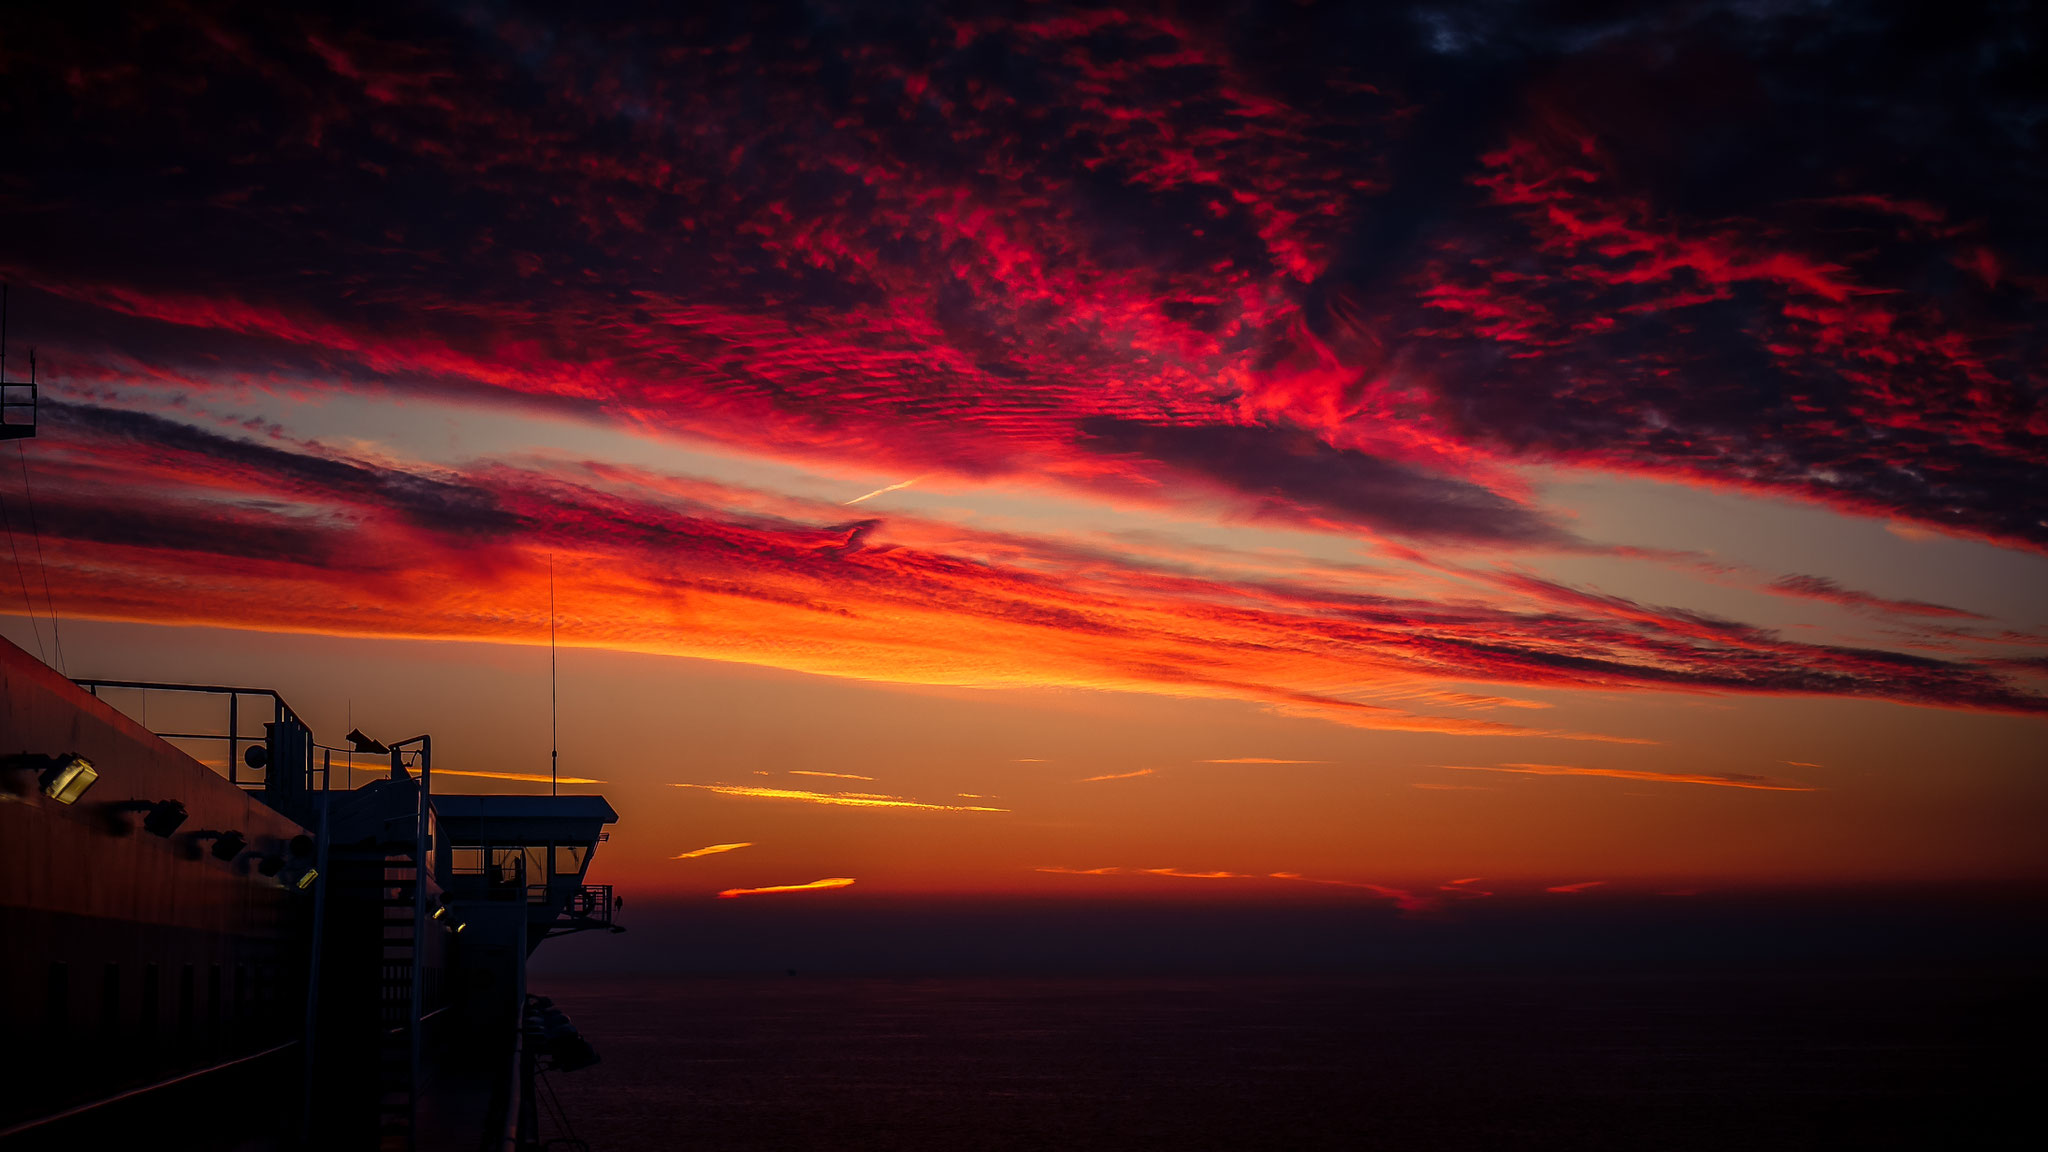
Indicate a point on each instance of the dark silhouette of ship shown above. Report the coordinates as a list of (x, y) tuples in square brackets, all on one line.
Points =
[(246, 956)]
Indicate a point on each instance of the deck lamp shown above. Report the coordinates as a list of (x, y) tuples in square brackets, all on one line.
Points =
[(226, 845), (363, 743), (67, 779), (62, 778), (163, 818), (159, 817)]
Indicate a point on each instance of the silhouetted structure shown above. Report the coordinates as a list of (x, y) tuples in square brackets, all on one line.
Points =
[(243, 956)]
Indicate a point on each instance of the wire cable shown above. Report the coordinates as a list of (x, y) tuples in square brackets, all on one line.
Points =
[(7, 523), (36, 533)]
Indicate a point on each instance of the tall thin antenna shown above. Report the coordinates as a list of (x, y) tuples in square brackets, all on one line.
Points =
[(554, 737)]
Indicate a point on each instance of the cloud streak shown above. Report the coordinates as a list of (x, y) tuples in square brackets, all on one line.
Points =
[(711, 850), (840, 799), (813, 886), (1732, 780)]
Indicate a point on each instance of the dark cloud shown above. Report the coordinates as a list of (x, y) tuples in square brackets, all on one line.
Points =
[(146, 517), (1346, 262), (1289, 473)]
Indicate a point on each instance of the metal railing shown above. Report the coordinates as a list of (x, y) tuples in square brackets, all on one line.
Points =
[(17, 410), (591, 902), (287, 738)]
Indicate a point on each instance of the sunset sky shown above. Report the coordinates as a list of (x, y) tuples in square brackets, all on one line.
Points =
[(1341, 452)]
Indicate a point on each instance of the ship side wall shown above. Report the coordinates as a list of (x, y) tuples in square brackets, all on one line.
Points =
[(130, 957)]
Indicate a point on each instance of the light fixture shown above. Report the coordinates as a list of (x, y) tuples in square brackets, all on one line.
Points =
[(363, 743), (164, 817), (159, 817), (306, 880), (257, 757), (62, 778), (226, 845), (67, 779)]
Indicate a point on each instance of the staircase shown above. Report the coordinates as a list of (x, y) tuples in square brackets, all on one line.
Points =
[(398, 994)]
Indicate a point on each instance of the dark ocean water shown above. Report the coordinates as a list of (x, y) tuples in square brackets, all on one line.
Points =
[(1080, 1064)]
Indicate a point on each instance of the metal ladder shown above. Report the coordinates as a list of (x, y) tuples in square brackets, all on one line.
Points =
[(398, 1050)]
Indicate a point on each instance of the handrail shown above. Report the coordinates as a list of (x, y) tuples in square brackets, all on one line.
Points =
[(132, 1093), (508, 1136), (281, 714)]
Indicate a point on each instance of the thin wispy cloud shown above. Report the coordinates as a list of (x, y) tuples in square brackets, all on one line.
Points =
[(712, 850), (843, 799), (881, 491), (1118, 776), (1581, 886), (813, 886), (833, 775), (1408, 902), (1731, 780), (1259, 760)]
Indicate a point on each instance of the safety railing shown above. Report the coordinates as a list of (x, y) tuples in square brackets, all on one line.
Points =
[(252, 761), (592, 902)]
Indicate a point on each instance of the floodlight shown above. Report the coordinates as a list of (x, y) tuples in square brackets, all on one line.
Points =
[(159, 817), (363, 743), (163, 817), (67, 779)]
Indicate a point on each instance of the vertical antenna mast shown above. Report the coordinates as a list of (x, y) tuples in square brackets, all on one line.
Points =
[(554, 738)]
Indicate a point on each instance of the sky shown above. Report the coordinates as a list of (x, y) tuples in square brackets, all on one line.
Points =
[(1398, 455)]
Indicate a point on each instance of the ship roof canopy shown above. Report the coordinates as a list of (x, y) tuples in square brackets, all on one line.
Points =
[(490, 819)]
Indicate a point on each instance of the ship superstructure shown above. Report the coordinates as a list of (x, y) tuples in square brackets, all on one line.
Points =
[(212, 945)]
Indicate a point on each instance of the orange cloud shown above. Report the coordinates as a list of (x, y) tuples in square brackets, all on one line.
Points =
[(833, 775), (1733, 780), (829, 882), (847, 799), (1259, 760), (713, 850), (1179, 874), (1119, 776), (1081, 871), (1581, 886)]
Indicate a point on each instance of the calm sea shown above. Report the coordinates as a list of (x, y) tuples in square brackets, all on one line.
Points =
[(1081, 1064)]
